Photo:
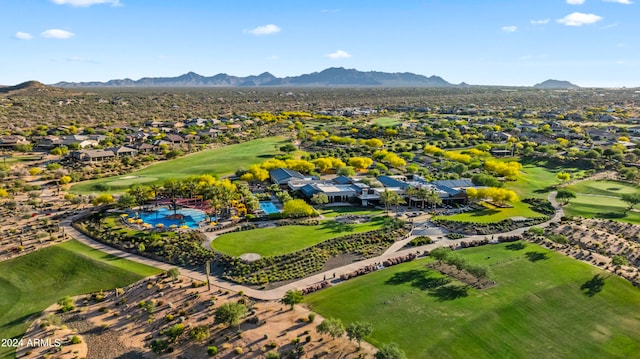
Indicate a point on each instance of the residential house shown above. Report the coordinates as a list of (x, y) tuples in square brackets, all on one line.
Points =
[(122, 151), (8, 141), (92, 155), (281, 176)]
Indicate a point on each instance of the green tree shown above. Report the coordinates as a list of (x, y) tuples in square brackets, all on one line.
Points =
[(292, 297), (174, 273), (440, 253), (390, 351), (319, 198), (632, 199), (332, 327), (103, 199), (564, 195), (357, 331), (126, 201), (563, 176), (230, 313), (297, 208), (346, 171), (289, 147)]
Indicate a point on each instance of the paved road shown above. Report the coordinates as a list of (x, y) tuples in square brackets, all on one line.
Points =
[(277, 293)]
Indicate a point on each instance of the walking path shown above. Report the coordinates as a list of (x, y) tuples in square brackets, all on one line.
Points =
[(332, 275)]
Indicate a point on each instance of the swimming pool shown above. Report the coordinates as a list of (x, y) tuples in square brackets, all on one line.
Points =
[(269, 207), (191, 217)]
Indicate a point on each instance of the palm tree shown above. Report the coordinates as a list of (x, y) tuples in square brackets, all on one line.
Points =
[(173, 189), (422, 193), (386, 198), (410, 192), (433, 199), (156, 190), (397, 200)]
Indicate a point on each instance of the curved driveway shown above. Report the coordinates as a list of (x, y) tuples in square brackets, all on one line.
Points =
[(277, 293)]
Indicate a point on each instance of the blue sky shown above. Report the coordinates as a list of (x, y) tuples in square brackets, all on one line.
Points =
[(491, 42)]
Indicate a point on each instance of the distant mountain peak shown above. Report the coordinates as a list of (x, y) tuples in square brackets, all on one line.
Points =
[(555, 84), (29, 86), (332, 76)]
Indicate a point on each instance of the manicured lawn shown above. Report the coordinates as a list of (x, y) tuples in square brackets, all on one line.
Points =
[(600, 207), (535, 180), (387, 121), (536, 310), (330, 212), (494, 214), (30, 283), (219, 161), (286, 239), (605, 188), (600, 199), (21, 158)]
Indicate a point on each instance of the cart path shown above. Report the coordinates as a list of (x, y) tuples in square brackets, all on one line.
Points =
[(332, 275)]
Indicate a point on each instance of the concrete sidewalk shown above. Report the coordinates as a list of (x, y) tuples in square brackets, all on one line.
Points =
[(278, 293)]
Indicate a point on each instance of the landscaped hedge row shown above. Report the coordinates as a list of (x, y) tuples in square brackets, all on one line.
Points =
[(473, 228), (540, 205), (372, 267)]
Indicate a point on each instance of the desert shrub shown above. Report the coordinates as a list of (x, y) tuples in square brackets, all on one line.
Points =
[(212, 350), (558, 238)]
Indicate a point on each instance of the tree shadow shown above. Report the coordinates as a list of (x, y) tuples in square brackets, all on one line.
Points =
[(545, 190), (419, 279), (406, 277), (485, 212), (536, 256), (515, 246), (449, 292), (611, 215), (337, 227), (593, 285)]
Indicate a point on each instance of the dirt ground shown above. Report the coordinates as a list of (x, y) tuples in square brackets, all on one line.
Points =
[(598, 242), (121, 324)]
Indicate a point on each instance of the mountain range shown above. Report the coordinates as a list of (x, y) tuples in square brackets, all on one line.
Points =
[(331, 77)]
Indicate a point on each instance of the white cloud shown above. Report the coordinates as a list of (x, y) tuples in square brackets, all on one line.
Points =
[(575, 2), (510, 28), (85, 3), (625, 2), (23, 35), (340, 54), (264, 30), (81, 59), (540, 22), (579, 19), (57, 34)]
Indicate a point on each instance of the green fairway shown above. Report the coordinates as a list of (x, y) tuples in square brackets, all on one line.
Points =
[(601, 207), (30, 283), (545, 305), (605, 188), (16, 159), (387, 121), (536, 180), (600, 199), (286, 239), (219, 161), (494, 214)]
